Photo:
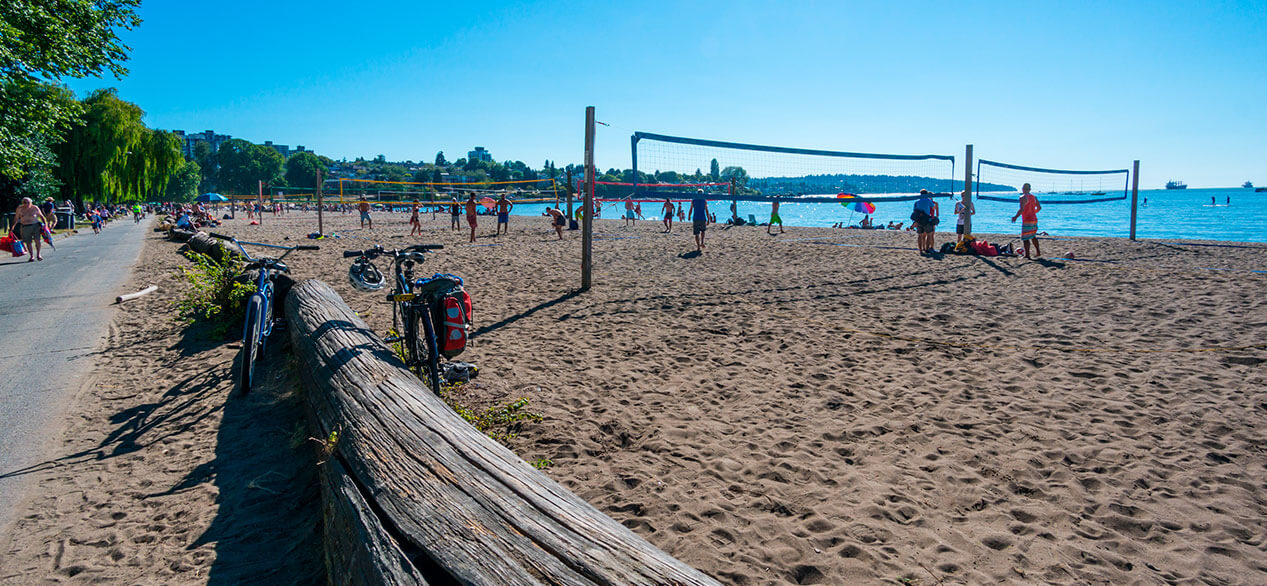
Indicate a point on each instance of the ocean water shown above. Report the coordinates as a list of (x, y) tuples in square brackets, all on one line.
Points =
[(1163, 214)]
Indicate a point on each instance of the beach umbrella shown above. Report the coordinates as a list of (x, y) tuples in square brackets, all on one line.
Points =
[(488, 202), (854, 204), (210, 197)]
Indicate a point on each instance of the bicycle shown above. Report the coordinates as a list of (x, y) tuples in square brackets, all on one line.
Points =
[(260, 321), (414, 301)]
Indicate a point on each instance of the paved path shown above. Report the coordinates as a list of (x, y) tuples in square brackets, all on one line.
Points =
[(53, 315)]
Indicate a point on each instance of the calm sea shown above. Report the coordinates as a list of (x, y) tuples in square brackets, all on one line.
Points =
[(1168, 214)]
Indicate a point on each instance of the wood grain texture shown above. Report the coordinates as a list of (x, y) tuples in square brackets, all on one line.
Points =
[(461, 506)]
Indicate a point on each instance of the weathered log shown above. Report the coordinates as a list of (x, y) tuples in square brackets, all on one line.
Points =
[(212, 247), (459, 505), (370, 556), (131, 296), (178, 235)]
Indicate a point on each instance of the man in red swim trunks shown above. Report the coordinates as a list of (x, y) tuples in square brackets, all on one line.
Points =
[(470, 214)]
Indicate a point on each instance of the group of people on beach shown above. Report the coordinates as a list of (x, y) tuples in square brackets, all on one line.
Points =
[(924, 218)]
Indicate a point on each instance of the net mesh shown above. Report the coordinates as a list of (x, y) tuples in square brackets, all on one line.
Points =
[(1003, 182), (761, 172), (524, 191)]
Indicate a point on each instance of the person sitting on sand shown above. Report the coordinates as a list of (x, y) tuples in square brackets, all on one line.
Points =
[(668, 215), (558, 220), (1029, 220)]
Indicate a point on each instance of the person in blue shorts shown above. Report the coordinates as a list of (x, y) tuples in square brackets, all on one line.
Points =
[(503, 214), (364, 208), (699, 218)]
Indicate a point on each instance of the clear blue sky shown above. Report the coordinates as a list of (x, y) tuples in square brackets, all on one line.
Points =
[(1179, 85)]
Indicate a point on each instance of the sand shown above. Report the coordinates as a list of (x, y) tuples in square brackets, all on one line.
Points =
[(821, 406)]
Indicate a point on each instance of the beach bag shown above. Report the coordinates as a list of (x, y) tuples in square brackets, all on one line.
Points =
[(452, 331), (19, 249)]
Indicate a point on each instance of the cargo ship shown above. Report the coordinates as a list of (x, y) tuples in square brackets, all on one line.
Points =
[(1176, 185)]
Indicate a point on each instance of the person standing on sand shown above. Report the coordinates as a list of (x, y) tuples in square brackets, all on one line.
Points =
[(455, 212), (557, 220), (503, 214), (964, 209), (774, 217), (471, 214), (1029, 220), (630, 217), (925, 218), (681, 212), (364, 208), (414, 221), (699, 218), (30, 220), (668, 215)]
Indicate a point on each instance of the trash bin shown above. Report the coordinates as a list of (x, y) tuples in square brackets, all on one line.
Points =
[(65, 218)]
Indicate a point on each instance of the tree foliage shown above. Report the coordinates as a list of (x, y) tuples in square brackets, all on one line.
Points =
[(244, 164), (110, 155), (183, 186), (301, 169), (42, 41)]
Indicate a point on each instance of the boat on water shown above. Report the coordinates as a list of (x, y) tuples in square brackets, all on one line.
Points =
[(1097, 193), (1260, 189), (1247, 185), (1176, 185)]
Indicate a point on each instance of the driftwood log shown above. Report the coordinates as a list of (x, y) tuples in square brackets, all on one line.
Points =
[(458, 506), (177, 235), (212, 247)]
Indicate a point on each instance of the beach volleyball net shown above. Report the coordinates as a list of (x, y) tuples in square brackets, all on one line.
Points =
[(406, 192), (1003, 182), (664, 165)]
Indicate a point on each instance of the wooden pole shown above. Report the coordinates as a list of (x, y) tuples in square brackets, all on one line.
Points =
[(587, 227), (320, 205), (1134, 196), (967, 169), (259, 198)]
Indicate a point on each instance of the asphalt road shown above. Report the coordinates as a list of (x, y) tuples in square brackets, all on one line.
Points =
[(53, 315)]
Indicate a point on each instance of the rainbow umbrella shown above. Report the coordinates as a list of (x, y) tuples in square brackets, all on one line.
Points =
[(47, 235), (488, 202), (849, 200)]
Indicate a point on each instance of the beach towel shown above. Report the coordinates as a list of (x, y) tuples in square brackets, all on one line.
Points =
[(1029, 230)]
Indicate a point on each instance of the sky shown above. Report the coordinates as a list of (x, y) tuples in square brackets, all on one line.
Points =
[(1180, 86)]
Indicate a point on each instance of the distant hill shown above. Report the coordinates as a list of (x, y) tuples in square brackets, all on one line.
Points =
[(861, 184)]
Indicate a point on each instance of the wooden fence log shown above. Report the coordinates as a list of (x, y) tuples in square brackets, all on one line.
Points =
[(461, 506), (359, 550), (212, 247)]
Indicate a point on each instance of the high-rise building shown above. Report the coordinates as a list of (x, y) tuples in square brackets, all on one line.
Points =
[(479, 154), (281, 148), (209, 136)]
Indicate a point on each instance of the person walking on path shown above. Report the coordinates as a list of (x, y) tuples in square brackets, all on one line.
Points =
[(503, 214), (964, 209), (364, 208), (30, 219), (471, 214), (925, 218), (669, 208), (1029, 220), (774, 218), (699, 218), (414, 222)]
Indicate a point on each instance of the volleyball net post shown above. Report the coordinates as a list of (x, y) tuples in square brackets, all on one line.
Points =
[(587, 219), (1134, 195)]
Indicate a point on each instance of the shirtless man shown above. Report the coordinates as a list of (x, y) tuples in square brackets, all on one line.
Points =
[(630, 217), (558, 220), (471, 214), (364, 208), (30, 228), (668, 215), (503, 214)]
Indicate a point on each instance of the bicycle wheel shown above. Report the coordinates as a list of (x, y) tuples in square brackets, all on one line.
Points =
[(250, 344), (432, 366)]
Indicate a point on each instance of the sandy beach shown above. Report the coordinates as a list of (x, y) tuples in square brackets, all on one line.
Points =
[(821, 406)]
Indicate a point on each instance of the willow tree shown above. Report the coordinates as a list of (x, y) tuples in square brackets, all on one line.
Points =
[(111, 156)]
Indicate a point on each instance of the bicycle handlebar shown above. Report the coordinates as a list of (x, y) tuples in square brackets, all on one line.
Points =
[(380, 251)]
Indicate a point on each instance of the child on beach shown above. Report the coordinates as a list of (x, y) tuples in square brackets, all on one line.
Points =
[(414, 221), (1029, 220), (964, 209)]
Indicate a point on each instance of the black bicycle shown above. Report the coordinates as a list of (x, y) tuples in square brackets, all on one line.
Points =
[(259, 322), (417, 304)]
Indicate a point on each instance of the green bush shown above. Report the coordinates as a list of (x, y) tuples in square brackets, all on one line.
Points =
[(502, 422), (215, 293)]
